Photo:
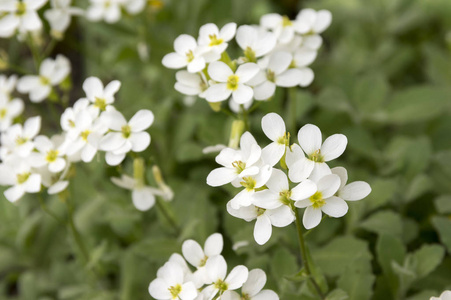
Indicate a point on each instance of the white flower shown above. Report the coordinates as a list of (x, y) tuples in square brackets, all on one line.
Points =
[(19, 15), (50, 154), (353, 191), (125, 136), (51, 73), (186, 54), (323, 201), (143, 196), (277, 73), (189, 83), (7, 85), (67, 120), (216, 269), (303, 57), (446, 295), (282, 26), (198, 257), (108, 10), (134, 6), (274, 128), (236, 163), (214, 41), (9, 110), (20, 177), (230, 83), (170, 284), (57, 187), (59, 16), (100, 97), (255, 42), (19, 140), (318, 153), (310, 24), (252, 288)]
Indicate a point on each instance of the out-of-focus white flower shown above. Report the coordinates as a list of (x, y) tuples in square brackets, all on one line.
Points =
[(18, 139), (446, 295), (310, 24), (107, 10), (49, 153), (9, 110), (189, 84), (19, 15), (214, 41), (171, 284), (100, 97), (60, 14), (323, 201), (19, 176), (187, 54), (134, 6), (230, 83), (51, 73), (318, 153), (252, 288), (126, 136), (282, 26), (255, 42), (7, 85)]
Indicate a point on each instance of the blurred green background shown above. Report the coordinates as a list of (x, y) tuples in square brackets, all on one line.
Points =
[(382, 77)]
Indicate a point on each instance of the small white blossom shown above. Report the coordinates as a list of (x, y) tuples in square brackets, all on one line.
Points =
[(255, 41), (353, 191), (18, 139), (187, 54), (19, 15), (214, 41), (310, 24), (60, 14), (190, 84), (252, 288), (21, 178), (49, 153), (282, 26), (9, 110), (107, 10), (100, 97)]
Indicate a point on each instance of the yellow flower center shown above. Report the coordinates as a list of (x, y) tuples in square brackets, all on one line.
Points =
[(203, 261), (21, 140), (239, 166), (270, 75), (260, 211), (107, 4), (189, 56), (221, 285), (286, 21), (44, 80), (21, 178), (3, 113), (232, 82), (100, 103), (175, 291), (126, 131), (52, 155), (285, 197), (317, 200), (249, 183), (316, 156), (250, 54), (84, 135), (285, 139), (21, 8), (71, 123), (214, 41)]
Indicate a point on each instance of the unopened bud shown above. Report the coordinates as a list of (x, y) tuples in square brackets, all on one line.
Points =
[(139, 171), (168, 194), (236, 132)]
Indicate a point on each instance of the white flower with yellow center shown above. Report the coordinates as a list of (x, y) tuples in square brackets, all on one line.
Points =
[(323, 200), (50, 154), (310, 23), (59, 16), (170, 284), (7, 85), (18, 139), (213, 41), (190, 84), (101, 98), (9, 110), (255, 42), (186, 54), (236, 164), (317, 153), (107, 10), (252, 288), (19, 15), (229, 83), (125, 136), (274, 128), (20, 177), (282, 26), (51, 73)]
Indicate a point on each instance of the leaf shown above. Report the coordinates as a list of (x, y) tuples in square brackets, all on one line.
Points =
[(381, 194), (357, 280), (333, 258), (384, 222), (427, 258), (418, 104), (283, 262), (337, 294), (370, 92), (390, 249), (443, 226), (443, 204)]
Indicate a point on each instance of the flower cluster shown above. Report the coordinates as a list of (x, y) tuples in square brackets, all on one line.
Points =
[(276, 53), (207, 277), (110, 10), (10, 107), (270, 195), (92, 124)]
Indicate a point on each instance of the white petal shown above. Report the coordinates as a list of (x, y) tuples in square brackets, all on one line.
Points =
[(303, 203), (247, 71), (112, 88), (58, 165), (313, 41), (342, 173), (312, 217), (354, 191), (27, 83), (196, 65), (188, 292), (266, 199), (184, 43), (33, 184), (319, 171), (335, 207), (289, 78), (272, 153), (303, 190), (159, 289), (334, 146), (174, 61), (125, 182), (217, 92), (310, 138), (40, 93), (262, 229), (304, 56), (266, 295), (247, 145), (221, 176), (301, 169), (93, 87), (193, 252), (14, 193), (141, 120), (278, 181), (279, 62), (293, 154), (112, 141), (230, 295), (114, 120), (143, 199), (219, 71), (323, 20), (328, 185), (140, 141), (255, 282), (57, 187), (273, 126), (281, 217), (213, 245), (265, 90), (31, 21), (228, 31), (32, 127), (216, 268), (114, 159), (242, 94), (237, 277)]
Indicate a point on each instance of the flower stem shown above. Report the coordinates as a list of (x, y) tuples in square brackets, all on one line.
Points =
[(245, 117), (77, 236), (168, 215), (292, 107), (304, 257)]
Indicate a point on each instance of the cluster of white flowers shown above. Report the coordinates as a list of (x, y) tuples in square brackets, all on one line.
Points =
[(207, 278), (110, 10), (92, 124), (267, 195), (276, 53)]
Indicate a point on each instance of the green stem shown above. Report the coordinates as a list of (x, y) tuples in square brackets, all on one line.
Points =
[(75, 232), (245, 117), (168, 215), (49, 48), (292, 104), (48, 211), (34, 52), (304, 254)]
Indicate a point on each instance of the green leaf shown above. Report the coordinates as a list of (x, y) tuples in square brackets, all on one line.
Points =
[(443, 226), (443, 204), (384, 222), (427, 258), (337, 294), (357, 279), (370, 92), (390, 249), (283, 263)]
